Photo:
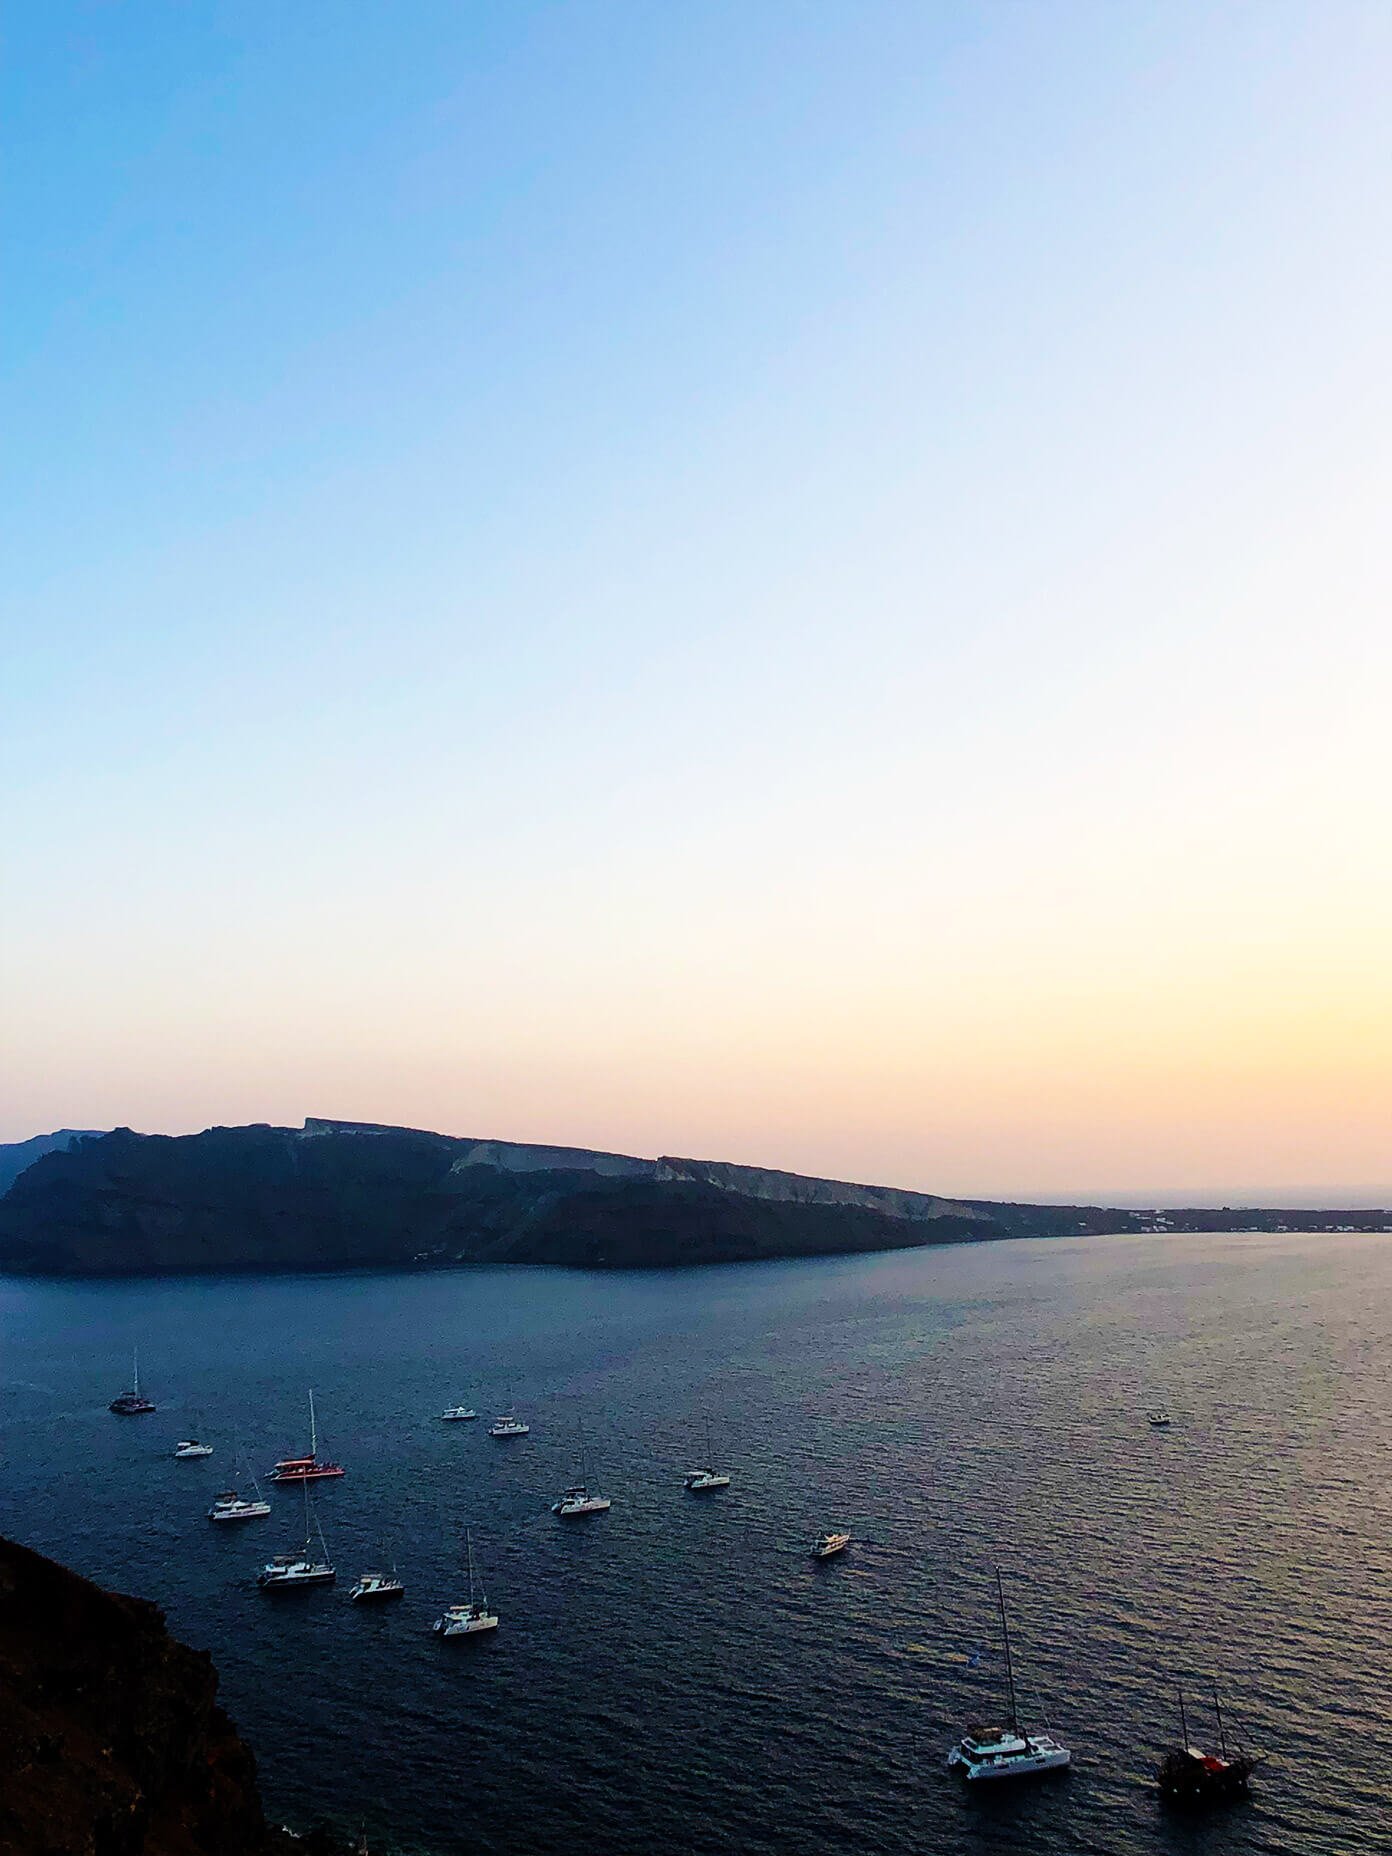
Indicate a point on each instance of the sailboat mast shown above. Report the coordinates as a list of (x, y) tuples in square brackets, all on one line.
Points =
[(1222, 1737), (135, 1371), (1009, 1667), (469, 1549), (313, 1439), (1183, 1724)]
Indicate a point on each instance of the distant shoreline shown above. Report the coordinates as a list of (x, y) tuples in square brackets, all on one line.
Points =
[(347, 1196)]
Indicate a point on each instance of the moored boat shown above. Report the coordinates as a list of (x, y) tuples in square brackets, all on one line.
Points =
[(457, 1414), (1187, 1775), (508, 1426), (1008, 1752), (293, 1571), (132, 1404), (827, 1546), (305, 1468), (471, 1619)]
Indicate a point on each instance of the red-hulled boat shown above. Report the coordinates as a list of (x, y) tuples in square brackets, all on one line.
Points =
[(305, 1468)]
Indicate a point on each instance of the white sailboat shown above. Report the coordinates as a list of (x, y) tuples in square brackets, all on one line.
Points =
[(232, 1506), (702, 1481), (1006, 1752), (190, 1449), (289, 1571), (577, 1500), (467, 1620), (373, 1587), (132, 1404)]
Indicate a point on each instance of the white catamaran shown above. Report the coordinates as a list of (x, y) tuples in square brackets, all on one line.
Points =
[(291, 1571), (1006, 1752), (577, 1499), (467, 1620)]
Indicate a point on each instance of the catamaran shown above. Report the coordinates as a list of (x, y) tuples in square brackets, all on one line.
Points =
[(374, 1586), (305, 1468), (132, 1404), (1006, 1752), (190, 1449), (508, 1426), (294, 1570), (577, 1499), (701, 1481), (467, 1620)]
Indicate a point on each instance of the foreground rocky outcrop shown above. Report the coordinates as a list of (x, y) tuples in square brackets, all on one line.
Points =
[(335, 1195), (111, 1739)]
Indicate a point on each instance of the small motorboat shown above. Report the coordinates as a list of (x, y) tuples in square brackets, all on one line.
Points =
[(190, 1448), (229, 1506), (509, 1426), (1159, 1420), (829, 1545), (457, 1414)]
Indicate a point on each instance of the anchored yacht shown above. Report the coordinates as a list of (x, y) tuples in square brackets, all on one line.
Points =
[(457, 1414), (829, 1545), (1006, 1752), (701, 1481), (1190, 1776), (577, 1499), (305, 1468), (190, 1448), (230, 1506), (376, 1585), (509, 1426), (293, 1570), (467, 1620), (132, 1404)]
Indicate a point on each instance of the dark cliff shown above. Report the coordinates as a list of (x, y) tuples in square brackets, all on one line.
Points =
[(111, 1739), (336, 1195)]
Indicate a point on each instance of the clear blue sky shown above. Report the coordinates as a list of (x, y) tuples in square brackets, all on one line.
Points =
[(806, 582)]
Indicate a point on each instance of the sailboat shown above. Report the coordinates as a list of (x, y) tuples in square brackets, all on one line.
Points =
[(1006, 1752), (230, 1506), (190, 1449), (701, 1481), (1190, 1776), (289, 1570), (467, 1620), (305, 1468), (577, 1499), (131, 1404), (373, 1586)]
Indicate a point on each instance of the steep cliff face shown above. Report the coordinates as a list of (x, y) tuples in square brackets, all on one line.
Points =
[(344, 1195), (111, 1739)]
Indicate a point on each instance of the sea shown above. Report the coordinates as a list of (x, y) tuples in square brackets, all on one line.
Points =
[(678, 1675)]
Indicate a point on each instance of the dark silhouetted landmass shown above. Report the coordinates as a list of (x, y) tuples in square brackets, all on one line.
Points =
[(340, 1195), (111, 1739), (15, 1156)]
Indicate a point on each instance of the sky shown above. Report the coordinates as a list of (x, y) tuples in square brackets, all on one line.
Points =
[(802, 583)]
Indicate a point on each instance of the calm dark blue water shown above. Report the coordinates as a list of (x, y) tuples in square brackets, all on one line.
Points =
[(677, 1675)]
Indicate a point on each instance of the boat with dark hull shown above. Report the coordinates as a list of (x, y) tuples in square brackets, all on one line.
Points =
[(132, 1404), (1189, 1776)]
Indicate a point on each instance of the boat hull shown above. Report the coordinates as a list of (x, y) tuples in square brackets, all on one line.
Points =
[(1012, 1766), (296, 1582), (378, 1595), (254, 1511), (319, 1474), (473, 1628)]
